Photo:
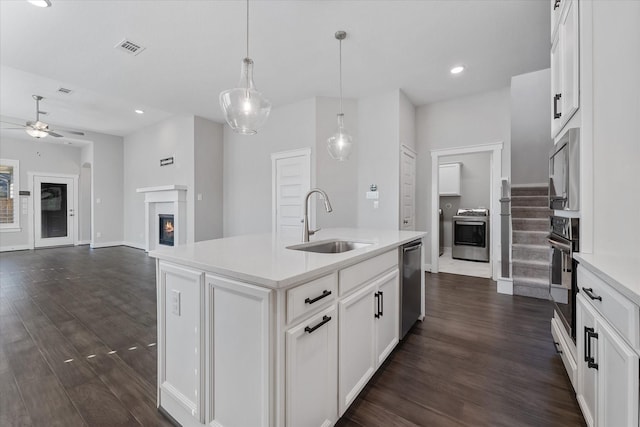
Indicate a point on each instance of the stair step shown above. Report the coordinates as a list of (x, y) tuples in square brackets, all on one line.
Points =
[(529, 191), (530, 224), (530, 237), (530, 252), (531, 269), (535, 288), (538, 201), (530, 212)]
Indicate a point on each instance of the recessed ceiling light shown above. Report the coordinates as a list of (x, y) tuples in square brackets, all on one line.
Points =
[(40, 3), (457, 69), (139, 111)]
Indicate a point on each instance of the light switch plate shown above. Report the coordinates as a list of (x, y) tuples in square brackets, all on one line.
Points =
[(175, 302), (372, 195)]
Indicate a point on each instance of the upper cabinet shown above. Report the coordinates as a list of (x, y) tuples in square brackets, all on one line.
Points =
[(565, 75), (450, 179)]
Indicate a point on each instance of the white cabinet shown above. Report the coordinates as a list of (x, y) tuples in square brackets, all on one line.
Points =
[(449, 179), (312, 366), (180, 295), (368, 331), (565, 63), (608, 364)]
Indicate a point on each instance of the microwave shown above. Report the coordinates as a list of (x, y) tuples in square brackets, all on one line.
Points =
[(564, 172)]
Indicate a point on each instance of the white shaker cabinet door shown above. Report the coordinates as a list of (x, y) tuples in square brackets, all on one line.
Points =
[(312, 366), (617, 381), (357, 361), (587, 376), (387, 323)]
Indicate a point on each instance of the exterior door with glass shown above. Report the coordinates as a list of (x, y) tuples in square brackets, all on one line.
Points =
[(54, 215)]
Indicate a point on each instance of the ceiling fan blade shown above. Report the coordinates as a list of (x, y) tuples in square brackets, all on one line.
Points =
[(22, 128), (53, 134), (73, 132), (13, 123)]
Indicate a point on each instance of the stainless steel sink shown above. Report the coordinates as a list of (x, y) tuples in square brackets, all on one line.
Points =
[(329, 246)]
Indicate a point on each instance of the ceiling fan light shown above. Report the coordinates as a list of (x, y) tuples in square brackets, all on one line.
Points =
[(40, 3), (36, 133)]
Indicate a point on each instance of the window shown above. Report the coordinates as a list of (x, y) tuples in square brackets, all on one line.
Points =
[(9, 189)]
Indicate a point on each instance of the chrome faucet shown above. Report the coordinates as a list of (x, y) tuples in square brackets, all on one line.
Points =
[(305, 221)]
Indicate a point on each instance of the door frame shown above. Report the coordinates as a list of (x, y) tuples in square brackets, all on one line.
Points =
[(31, 216), (495, 172), (302, 152)]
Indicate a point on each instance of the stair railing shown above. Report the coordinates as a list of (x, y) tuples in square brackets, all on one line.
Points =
[(505, 228)]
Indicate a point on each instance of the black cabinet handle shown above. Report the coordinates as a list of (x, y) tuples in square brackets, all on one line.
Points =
[(310, 329), (377, 297), (556, 4), (381, 303), (587, 356), (591, 363), (590, 294), (556, 98), (325, 294), (557, 344)]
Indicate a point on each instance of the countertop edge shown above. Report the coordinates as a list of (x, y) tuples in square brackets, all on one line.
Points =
[(359, 255), (596, 265)]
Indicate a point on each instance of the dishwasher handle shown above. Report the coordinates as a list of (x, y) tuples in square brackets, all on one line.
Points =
[(406, 249)]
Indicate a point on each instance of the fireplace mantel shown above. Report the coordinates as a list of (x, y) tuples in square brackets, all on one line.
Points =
[(164, 199)]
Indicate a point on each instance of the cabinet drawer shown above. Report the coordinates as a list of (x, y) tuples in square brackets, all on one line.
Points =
[(618, 310), (354, 276), (305, 298)]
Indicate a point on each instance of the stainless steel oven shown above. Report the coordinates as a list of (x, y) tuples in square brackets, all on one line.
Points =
[(564, 241), (471, 235)]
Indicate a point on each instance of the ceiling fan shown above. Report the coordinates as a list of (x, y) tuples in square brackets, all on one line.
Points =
[(38, 129)]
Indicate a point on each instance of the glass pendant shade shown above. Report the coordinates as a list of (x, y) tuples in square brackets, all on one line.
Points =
[(245, 109), (339, 144)]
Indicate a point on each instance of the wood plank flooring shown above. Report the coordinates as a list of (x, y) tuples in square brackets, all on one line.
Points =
[(78, 327), (478, 359)]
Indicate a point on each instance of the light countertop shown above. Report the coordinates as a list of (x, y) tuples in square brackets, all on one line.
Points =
[(622, 273), (263, 259)]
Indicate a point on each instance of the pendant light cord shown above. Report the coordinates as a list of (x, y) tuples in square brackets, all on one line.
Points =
[(341, 77), (247, 28)]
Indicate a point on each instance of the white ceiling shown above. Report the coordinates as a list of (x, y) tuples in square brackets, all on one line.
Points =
[(194, 49)]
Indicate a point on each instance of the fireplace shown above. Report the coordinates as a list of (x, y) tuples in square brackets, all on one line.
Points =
[(165, 229)]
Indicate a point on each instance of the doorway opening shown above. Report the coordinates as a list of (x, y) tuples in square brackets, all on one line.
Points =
[(492, 152)]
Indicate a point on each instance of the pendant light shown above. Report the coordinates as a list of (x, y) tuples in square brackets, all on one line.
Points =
[(339, 144), (245, 109)]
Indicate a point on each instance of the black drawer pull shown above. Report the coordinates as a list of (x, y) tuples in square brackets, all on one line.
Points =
[(591, 362), (590, 294), (325, 319), (381, 303), (377, 297), (557, 344), (325, 294)]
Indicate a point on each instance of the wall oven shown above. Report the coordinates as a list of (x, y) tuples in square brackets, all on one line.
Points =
[(564, 172), (564, 241), (471, 235)]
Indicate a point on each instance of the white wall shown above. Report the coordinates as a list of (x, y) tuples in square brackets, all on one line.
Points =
[(84, 204), (530, 130), (142, 153), (37, 156), (338, 179), (379, 159), (208, 154), (247, 165), (475, 187), (472, 120), (616, 127), (407, 122)]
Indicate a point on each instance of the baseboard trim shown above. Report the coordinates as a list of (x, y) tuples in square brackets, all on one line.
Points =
[(105, 244), (134, 245), (83, 242), (15, 248), (534, 185), (505, 286), (426, 267)]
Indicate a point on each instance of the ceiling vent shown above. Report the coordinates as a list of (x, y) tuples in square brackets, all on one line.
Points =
[(64, 91), (129, 47)]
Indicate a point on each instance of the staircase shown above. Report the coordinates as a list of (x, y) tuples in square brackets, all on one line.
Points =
[(530, 251)]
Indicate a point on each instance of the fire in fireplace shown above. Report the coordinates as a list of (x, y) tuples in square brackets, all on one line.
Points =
[(165, 235)]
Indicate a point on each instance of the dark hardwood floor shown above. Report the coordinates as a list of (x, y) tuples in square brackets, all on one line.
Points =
[(78, 332)]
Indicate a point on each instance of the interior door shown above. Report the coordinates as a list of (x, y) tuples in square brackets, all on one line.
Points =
[(291, 180), (54, 216), (407, 189)]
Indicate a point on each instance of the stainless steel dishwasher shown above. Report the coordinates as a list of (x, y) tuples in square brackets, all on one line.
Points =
[(410, 285)]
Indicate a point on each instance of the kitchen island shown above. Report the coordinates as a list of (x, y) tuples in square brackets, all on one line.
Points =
[(253, 333)]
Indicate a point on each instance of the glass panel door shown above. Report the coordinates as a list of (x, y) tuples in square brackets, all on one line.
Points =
[(54, 215)]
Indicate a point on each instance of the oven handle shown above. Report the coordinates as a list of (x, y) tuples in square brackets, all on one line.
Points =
[(559, 245), (469, 222)]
